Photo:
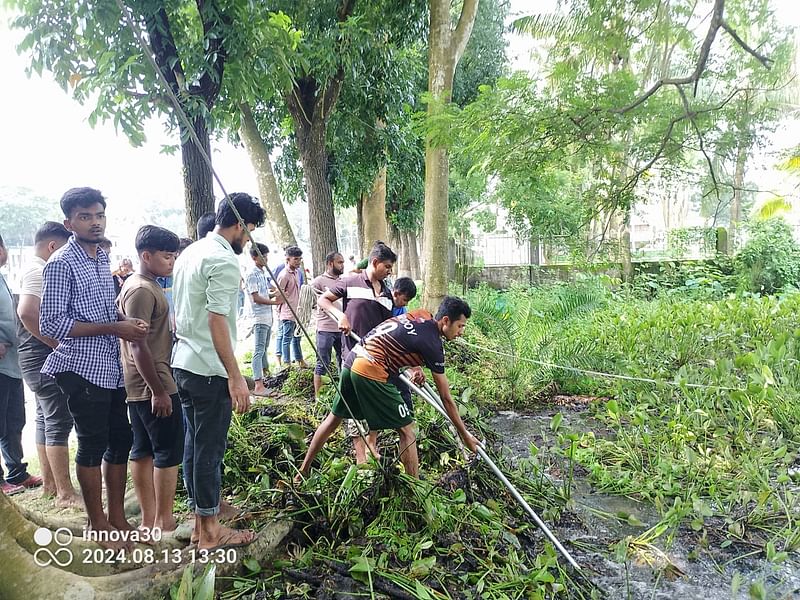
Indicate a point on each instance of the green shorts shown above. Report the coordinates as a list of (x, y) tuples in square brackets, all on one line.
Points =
[(376, 402)]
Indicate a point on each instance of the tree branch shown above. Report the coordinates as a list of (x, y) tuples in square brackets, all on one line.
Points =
[(764, 60), (694, 77), (463, 29)]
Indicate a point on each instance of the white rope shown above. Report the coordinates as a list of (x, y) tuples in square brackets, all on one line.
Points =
[(305, 308), (599, 373)]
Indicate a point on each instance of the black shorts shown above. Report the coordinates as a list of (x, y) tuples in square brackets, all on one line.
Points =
[(101, 421), (159, 437)]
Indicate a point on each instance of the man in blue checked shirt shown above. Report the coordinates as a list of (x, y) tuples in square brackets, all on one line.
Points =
[(78, 310)]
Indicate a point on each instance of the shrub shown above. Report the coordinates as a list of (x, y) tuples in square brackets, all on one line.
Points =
[(770, 260)]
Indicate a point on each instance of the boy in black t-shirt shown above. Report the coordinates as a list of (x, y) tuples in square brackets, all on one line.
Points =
[(410, 340)]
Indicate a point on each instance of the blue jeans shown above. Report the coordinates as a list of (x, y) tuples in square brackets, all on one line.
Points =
[(327, 341), (261, 332), (279, 341), (12, 421), (288, 340), (206, 407)]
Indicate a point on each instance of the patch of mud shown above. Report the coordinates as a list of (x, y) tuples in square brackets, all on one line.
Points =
[(678, 568)]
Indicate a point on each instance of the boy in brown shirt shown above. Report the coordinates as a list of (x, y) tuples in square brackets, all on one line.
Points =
[(153, 403)]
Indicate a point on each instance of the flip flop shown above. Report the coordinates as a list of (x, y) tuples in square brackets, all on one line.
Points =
[(225, 541)]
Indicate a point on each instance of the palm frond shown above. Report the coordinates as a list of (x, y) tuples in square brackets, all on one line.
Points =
[(546, 25)]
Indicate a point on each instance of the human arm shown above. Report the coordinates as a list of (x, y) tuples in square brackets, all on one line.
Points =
[(222, 278), (140, 304), (443, 387), (326, 303), (221, 338), (259, 299), (54, 320), (28, 313)]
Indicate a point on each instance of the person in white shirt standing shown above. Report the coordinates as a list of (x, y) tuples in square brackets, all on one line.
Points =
[(258, 287), (53, 420)]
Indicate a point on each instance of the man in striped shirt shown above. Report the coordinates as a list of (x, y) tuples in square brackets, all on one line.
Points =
[(78, 310), (410, 340)]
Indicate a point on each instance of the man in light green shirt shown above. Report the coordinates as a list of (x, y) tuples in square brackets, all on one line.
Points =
[(205, 289)]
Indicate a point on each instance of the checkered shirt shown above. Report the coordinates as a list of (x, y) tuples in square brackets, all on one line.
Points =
[(77, 287)]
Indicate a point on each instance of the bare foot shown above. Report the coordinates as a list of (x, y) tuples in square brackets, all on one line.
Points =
[(227, 511), (167, 525), (259, 389), (71, 501), (229, 538), (48, 493)]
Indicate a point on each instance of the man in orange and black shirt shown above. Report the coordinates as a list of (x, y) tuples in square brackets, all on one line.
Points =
[(410, 340)]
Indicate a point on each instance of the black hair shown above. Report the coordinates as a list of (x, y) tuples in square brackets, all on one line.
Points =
[(405, 286), (205, 224), (82, 197), (293, 251), (2, 243), (154, 239), (261, 248), (331, 256), (248, 207), (185, 243), (51, 231), (105, 242), (382, 252), (453, 307)]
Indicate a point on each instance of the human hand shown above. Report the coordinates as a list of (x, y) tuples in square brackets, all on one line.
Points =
[(416, 375), (240, 394), (132, 330), (471, 442), (344, 325), (161, 405)]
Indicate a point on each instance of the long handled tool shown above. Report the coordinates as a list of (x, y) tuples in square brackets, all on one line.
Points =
[(432, 398)]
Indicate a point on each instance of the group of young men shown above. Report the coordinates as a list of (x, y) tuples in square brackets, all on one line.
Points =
[(164, 396)]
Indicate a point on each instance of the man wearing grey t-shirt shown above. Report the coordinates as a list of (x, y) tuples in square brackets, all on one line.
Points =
[(53, 420)]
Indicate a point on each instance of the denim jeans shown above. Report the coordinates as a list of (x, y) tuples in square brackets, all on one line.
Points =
[(261, 332), (12, 421), (206, 407), (288, 340), (279, 340)]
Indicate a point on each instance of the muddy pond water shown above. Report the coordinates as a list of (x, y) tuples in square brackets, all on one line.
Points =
[(675, 568)]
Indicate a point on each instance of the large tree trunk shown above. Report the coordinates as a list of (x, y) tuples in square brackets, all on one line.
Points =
[(277, 221), (22, 578), (311, 107), (373, 212), (321, 221), (198, 181), (445, 47)]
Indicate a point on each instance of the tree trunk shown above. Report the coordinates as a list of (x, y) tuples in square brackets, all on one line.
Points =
[(404, 269), (736, 201), (625, 242), (373, 211), (321, 221), (413, 255), (445, 47), (362, 244), (277, 221), (198, 181), (22, 577)]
